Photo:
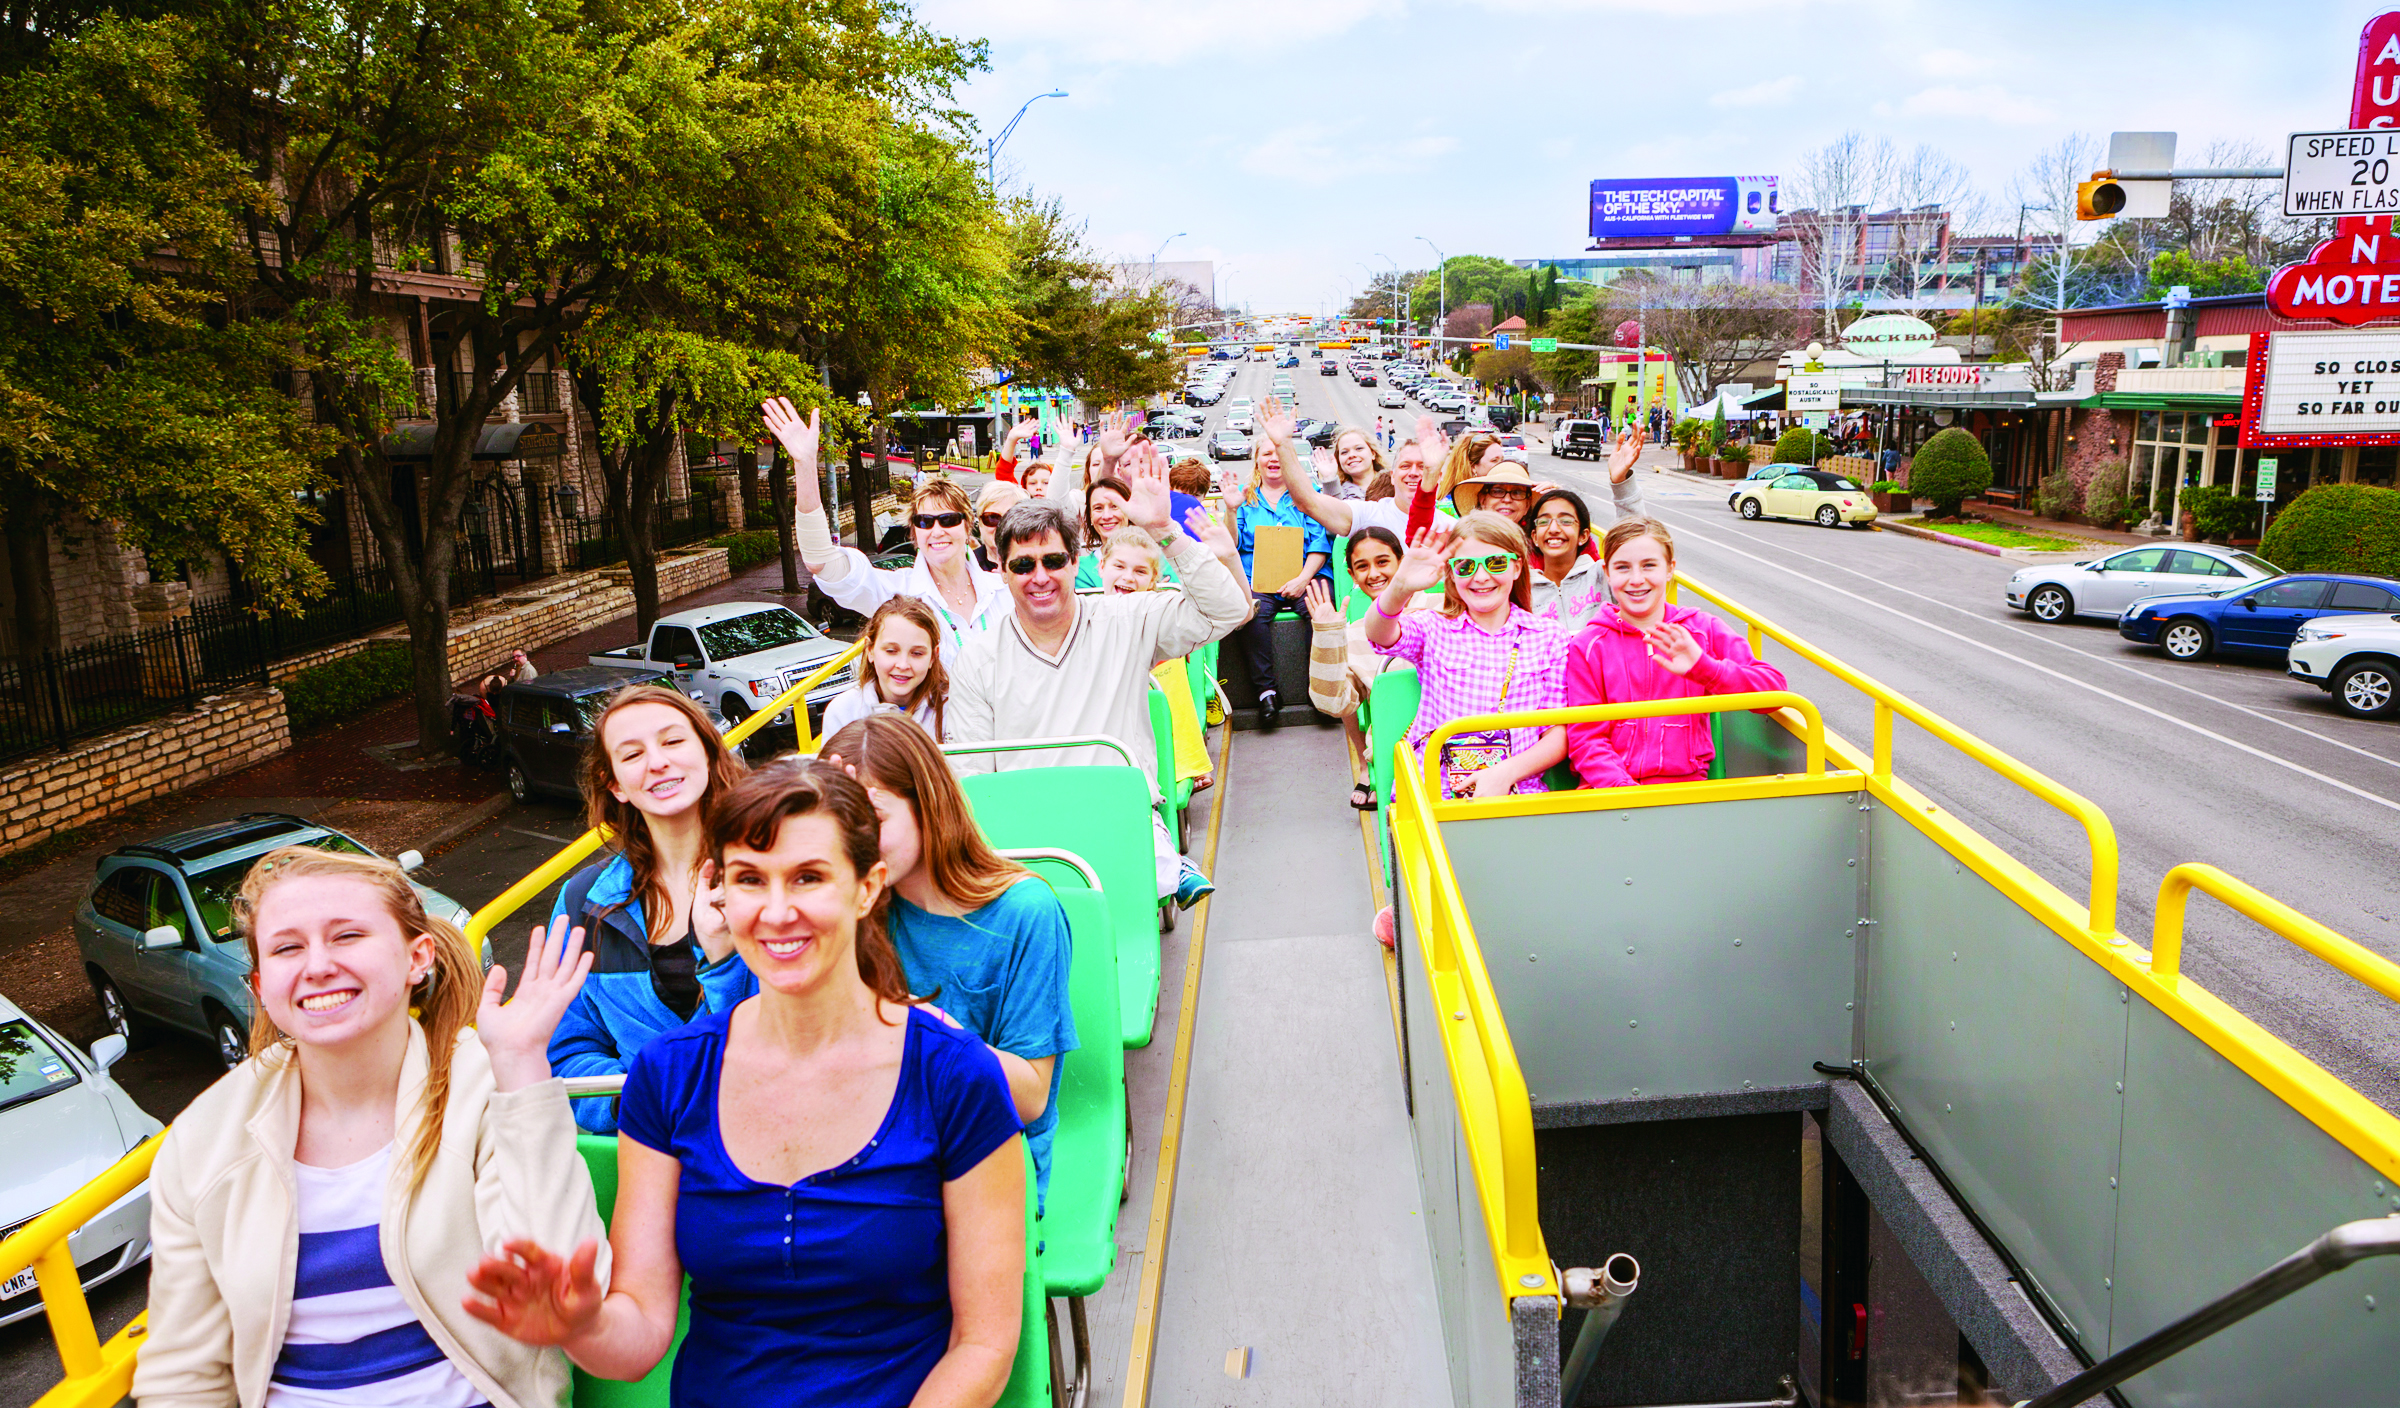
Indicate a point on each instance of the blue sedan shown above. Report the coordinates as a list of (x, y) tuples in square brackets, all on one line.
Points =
[(2255, 620)]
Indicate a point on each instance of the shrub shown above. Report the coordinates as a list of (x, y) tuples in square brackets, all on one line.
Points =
[(1799, 445), (1884, 486), (2059, 496), (2104, 502), (744, 551), (1685, 434), (346, 688), (2216, 513), (1951, 469), (2337, 528), (1717, 433)]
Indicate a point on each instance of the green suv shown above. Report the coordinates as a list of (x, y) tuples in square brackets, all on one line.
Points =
[(156, 928)]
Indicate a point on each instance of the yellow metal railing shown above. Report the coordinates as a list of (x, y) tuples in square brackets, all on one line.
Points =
[(1495, 1114), (577, 851), (96, 1374), (2099, 833), (1812, 733), (99, 1374)]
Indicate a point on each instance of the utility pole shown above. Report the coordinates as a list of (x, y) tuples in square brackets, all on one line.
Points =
[(1441, 285), (992, 145)]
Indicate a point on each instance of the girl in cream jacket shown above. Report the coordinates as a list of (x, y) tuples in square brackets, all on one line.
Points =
[(316, 1211)]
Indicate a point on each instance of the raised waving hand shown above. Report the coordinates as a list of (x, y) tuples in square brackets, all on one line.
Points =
[(799, 439), (1422, 565), (1621, 459), (516, 1033)]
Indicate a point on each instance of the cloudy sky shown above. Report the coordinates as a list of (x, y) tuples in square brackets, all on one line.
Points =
[(1296, 142)]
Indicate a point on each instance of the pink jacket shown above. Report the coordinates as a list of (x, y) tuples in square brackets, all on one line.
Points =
[(1609, 663)]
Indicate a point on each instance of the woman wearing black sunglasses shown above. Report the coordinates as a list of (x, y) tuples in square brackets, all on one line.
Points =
[(966, 598)]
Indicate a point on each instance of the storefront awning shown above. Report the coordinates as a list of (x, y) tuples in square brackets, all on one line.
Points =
[(1928, 397), (509, 441)]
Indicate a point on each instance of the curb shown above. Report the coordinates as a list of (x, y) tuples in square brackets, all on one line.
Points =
[(460, 823), (1932, 536)]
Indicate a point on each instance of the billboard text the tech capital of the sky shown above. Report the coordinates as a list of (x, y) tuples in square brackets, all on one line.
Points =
[(1657, 207)]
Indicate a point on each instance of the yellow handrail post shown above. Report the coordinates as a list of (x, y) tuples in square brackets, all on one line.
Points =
[(575, 852), (70, 1314), (1883, 741), (2287, 923)]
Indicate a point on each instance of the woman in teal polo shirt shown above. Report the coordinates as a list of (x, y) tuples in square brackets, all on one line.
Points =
[(1268, 503)]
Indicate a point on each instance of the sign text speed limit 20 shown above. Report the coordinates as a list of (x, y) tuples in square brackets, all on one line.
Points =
[(2343, 173)]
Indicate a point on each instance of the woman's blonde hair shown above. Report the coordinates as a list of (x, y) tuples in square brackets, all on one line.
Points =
[(443, 1002), (1464, 456), (1250, 481), (1625, 530), (1382, 463), (1485, 526)]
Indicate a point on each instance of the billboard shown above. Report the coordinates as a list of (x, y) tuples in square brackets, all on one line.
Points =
[(1702, 205)]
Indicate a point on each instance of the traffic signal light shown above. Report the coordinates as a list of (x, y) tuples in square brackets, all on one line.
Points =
[(2104, 197), (2098, 200)]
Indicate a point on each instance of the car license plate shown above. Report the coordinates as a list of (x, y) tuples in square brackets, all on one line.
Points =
[(17, 1285)]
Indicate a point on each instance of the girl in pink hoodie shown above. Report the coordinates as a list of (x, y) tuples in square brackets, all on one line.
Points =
[(1641, 648)]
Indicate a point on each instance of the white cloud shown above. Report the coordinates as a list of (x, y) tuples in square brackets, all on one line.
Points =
[(1162, 33), (1985, 102), (1952, 63), (1757, 95), (1315, 152)]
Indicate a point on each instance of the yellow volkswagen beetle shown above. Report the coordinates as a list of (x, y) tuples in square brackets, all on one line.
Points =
[(1828, 498)]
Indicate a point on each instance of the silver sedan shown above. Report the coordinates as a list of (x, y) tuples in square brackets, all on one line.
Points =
[(2103, 587)]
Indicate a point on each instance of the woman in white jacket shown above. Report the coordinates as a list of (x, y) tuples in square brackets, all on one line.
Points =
[(314, 1213)]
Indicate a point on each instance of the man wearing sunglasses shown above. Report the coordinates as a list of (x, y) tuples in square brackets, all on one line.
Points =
[(1062, 666)]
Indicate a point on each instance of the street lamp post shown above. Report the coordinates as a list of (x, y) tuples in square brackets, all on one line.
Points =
[(1441, 285), (992, 145), (1395, 292)]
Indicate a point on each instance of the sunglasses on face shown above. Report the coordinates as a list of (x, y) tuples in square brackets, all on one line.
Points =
[(1493, 563), (939, 520), (992, 520), (1054, 561)]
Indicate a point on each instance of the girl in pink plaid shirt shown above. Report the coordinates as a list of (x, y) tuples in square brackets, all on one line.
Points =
[(1484, 652)]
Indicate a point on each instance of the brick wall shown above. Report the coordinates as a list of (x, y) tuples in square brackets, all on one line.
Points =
[(59, 791), (2092, 431)]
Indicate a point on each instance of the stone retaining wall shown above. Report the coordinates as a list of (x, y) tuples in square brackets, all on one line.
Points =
[(60, 791), (482, 635)]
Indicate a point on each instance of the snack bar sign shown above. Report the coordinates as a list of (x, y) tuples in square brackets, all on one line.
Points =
[(2325, 388)]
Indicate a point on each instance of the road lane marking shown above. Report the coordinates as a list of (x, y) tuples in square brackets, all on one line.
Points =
[(2233, 743)]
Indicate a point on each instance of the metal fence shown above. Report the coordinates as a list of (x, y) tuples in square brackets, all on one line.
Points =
[(53, 699), (679, 521)]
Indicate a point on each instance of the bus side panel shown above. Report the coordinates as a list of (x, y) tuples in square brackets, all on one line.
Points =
[(1479, 1340), (1756, 745), (2001, 1046), (2221, 1180), (1710, 952)]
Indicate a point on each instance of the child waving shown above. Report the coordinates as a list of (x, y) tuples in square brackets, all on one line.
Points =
[(1640, 648)]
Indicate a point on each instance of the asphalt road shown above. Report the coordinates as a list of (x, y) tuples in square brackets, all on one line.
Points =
[(2227, 763)]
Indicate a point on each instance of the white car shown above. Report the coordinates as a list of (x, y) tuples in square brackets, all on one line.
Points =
[(64, 1122), (2105, 586), (1392, 399), (2356, 659)]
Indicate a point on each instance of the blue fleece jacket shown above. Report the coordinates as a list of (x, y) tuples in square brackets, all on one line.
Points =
[(618, 1011)]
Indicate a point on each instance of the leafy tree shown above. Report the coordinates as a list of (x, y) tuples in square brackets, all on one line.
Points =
[(126, 394), (1381, 299), (1501, 367), (2337, 528), (1711, 331), (1066, 325), (2207, 278), (1469, 278), (1950, 469)]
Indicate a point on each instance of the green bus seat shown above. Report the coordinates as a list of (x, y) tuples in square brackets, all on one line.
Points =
[(1100, 812), (1174, 795), (1078, 1229), (1201, 665), (1343, 587), (1028, 1382), (1391, 709)]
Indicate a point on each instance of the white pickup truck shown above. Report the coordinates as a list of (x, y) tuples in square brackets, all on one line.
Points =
[(737, 655)]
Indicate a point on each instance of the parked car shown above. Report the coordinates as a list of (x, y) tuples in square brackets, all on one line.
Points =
[(1229, 445), (1290, 359), (155, 930), (1172, 428), (2260, 620), (736, 655), (2105, 586), (1828, 499), (2356, 659), (1314, 432), (1207, 393), (546, 723), (64, 1121), (1501, 417), (1391, 398), (1513, 447)]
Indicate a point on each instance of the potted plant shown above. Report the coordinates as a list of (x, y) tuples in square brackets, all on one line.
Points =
[(1891, 496)]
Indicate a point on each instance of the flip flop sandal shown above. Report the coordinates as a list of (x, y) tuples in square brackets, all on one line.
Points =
[(1362, 797)]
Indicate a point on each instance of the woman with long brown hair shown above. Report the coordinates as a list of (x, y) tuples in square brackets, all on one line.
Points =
[(393, 1120), (660, 954), (979, 935), (835, 1169)]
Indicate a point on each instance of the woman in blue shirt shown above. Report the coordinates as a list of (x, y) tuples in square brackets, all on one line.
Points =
[(836, 1168), (1267, 502), (982, 938)]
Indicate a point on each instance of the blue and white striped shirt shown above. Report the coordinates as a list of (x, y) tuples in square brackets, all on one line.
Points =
[(353, 1341)]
